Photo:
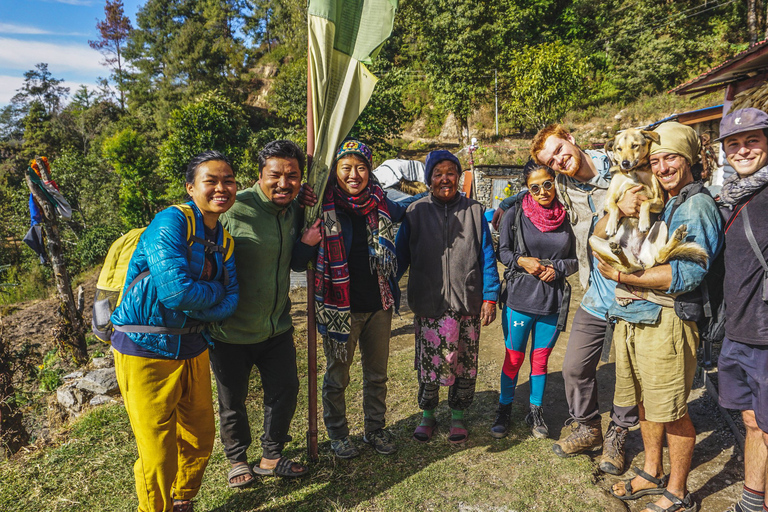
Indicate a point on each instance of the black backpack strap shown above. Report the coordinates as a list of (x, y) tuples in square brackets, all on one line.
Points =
[(756, 248)]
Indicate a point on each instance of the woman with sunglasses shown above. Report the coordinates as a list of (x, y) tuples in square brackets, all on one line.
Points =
[(539, 250)]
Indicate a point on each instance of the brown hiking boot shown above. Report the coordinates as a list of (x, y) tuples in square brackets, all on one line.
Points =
[(583, 438), (612, 461)]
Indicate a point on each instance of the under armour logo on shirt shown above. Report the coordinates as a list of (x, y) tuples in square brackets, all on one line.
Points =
[(737, 120), (515, 323)]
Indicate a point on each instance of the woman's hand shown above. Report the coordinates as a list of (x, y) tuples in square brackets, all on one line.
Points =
[(547, 275), (487, 313), (531, 265), (312, 234)]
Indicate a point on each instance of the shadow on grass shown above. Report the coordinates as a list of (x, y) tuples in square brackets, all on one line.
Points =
[(335, 484)]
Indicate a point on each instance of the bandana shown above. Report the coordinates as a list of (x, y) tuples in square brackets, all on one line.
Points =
[(545, 219), (678, 139), (736, 188), (332, 288)]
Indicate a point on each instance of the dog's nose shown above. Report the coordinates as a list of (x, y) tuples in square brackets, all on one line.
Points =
[(625, 164)]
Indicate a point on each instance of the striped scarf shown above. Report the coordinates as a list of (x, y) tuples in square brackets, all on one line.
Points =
[(332, 288)]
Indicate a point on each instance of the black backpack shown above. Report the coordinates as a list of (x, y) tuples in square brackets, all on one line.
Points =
[(704, 305)]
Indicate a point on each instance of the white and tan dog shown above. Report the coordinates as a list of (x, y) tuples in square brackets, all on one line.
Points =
[(631, 150), (630, 250)]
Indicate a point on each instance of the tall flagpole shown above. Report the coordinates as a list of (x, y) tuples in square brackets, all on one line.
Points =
[(311, 326)]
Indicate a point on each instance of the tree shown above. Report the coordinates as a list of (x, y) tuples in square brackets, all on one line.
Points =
[(211, 122), (140, 188), (39, 85), (543, 83), (460, 52), (114, 30)]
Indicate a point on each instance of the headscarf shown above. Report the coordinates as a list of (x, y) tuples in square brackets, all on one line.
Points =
[(332, 285), (679, 139)]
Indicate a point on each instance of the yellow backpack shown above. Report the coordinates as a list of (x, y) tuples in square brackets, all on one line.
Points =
[(109, 288)]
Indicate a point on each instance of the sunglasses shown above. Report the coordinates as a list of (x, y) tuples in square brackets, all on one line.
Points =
[(535, 189)]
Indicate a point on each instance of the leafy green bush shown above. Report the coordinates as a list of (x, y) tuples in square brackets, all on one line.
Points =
[(211, 122), (47, 374)]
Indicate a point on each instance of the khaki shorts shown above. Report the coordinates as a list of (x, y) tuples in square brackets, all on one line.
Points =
[(655, 365)]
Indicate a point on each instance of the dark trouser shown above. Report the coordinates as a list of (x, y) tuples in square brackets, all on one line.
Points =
[(582, 355), (460, 394), (275, 359), (371, 331)]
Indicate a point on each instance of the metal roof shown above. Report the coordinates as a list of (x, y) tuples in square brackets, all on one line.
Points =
[(744, 65)]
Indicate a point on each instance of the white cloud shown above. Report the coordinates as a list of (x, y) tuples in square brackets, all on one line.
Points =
[(10, 28), (8, 86), (73, 2), (23, 55)]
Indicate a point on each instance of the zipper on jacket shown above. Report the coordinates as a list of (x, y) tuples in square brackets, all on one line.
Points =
[(277, 274), (447, 252)]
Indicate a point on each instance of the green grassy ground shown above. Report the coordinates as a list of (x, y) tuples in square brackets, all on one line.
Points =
[(89, 466)]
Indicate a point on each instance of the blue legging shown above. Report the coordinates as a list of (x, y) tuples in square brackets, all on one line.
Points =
[(517, 327)]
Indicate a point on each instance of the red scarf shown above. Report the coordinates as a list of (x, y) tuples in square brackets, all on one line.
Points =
[(546, 219)]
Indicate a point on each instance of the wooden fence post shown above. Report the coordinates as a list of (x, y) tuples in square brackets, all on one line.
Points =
[(70, 332)]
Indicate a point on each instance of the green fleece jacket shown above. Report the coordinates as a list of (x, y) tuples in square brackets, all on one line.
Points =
[(264, 237)]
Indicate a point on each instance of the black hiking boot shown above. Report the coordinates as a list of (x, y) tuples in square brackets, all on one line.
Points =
[(500, 426)]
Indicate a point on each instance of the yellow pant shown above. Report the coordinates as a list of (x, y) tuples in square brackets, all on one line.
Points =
[(170, 407)]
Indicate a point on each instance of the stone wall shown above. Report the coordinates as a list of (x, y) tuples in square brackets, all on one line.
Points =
[(487, 173)]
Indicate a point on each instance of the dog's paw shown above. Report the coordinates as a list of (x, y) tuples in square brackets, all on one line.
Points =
[(643, 224), (615, 247), (681, 233)]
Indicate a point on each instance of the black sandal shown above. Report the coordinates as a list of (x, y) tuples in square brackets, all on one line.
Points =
[(678, 505), (661, 484), (283, 468)]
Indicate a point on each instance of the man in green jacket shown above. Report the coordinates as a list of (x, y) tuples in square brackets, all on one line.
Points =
[(265, 222)]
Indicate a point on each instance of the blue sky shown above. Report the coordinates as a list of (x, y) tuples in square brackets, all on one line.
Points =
[(52, 31)]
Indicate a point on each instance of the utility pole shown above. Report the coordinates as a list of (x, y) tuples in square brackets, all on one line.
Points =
[(496, 97)]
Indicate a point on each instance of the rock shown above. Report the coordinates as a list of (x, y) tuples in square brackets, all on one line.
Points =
[(103, 362), (100, 382), (70, 397), (73, 375), (101, 400)]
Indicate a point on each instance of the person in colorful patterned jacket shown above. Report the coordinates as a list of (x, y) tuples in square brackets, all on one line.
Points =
[(356, 294), (453, 285), (161, 341), (538, 259)]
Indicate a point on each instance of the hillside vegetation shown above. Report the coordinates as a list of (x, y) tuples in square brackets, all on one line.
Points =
[(230, 75)]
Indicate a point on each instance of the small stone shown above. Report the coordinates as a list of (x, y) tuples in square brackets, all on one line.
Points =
[(728, 482), (604, 135), (101, 400), (73, 375), (618, 116), (103, 362), (70, 397), (100, 382)]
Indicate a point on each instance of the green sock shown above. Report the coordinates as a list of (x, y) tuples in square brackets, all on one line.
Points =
[(457, 414), (428, 418), (429, 413)]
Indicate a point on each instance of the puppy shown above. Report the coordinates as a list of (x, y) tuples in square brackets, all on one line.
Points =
[(631, 150), (631, 250)]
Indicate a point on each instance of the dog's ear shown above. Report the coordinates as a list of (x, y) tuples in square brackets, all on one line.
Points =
[(609, 145), (651, 136)]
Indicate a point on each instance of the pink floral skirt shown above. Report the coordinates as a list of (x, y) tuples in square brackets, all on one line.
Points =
[(446, 347)]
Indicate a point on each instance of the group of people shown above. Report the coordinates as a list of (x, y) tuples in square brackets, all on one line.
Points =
[(226, 288)]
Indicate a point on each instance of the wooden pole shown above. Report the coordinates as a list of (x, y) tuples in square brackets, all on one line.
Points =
[(69, 334), (311, 324)]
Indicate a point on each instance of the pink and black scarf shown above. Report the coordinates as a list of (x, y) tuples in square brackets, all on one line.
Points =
[(545, 219)]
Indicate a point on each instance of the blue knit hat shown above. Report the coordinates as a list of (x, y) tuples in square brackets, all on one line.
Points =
[(435, 157)]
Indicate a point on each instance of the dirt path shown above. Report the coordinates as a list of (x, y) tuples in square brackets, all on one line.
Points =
[(717, 470)]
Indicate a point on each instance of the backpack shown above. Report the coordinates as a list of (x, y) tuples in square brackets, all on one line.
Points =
[(705, 304), (111, 284), (510, 273)]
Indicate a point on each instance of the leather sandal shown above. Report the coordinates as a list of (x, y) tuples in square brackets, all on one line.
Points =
[(183, 506), (285, 468), (678, 505), (661, 484)]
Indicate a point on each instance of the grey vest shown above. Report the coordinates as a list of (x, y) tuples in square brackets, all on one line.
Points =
[(446, 248)]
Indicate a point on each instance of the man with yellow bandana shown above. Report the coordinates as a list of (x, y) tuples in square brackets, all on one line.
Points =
[(655, 348)]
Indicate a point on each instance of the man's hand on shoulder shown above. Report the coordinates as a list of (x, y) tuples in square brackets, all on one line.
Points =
[(307, 196)]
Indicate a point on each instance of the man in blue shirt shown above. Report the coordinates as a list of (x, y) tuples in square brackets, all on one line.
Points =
[(582, 183), (656, 349)]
